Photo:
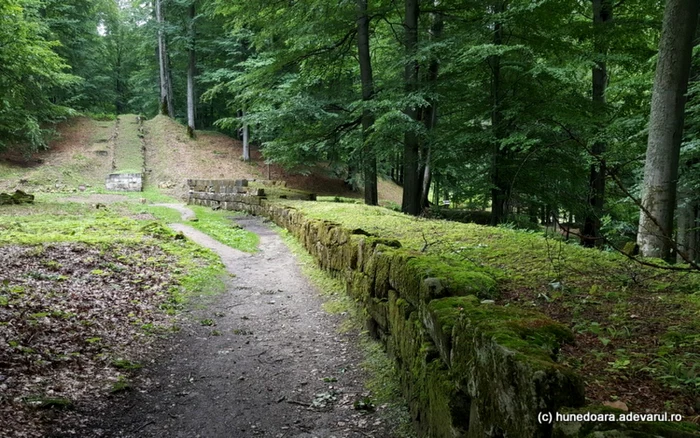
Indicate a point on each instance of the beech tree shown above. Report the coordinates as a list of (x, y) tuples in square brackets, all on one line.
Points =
[(411, 150), (191, 71), (602, 18), (167, 106), (29, 69), (369, 159), (666, 128)]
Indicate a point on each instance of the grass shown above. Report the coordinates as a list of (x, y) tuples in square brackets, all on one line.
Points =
[(217, 224), (52, 220), (634, 326), (128, 157), (383, 378)]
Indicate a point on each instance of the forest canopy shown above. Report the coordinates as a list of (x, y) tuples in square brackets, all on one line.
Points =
[(537, 111)]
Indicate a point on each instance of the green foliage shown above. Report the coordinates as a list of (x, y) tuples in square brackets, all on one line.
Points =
[(30, 69)]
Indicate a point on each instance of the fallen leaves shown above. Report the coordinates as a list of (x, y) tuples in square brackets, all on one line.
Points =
[(69, 313)]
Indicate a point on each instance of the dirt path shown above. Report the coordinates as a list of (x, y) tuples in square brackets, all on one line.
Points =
[(185, 213), (268, 367)]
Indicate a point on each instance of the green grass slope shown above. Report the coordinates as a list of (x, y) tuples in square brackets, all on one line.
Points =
[(128, 153)]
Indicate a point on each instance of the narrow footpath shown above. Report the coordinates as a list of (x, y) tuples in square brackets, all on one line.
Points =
[(262, 359)]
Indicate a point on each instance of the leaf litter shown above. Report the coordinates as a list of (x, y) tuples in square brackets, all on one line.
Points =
[(70, 314)]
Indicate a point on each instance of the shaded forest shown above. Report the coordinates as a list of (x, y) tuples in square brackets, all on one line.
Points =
[(583, 113)]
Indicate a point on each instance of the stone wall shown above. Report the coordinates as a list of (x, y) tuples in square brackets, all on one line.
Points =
[(125, 182), (226, 193), (468, 367)]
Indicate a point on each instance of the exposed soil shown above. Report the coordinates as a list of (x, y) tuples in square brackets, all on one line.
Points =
[(171, 158), (71, 160), (262, 359)]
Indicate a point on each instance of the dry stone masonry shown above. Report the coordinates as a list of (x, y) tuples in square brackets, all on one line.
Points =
[(124, 182), (468, 367)]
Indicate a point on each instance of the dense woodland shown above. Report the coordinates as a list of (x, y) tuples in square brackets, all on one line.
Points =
[(568, 110)]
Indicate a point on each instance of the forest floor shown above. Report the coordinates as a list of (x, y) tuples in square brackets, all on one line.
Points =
[(82, 155), (262, 359), (259, 358)]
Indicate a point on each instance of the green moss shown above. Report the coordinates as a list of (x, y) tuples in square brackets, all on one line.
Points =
[(220, 225), (531, 334), (198, 270)]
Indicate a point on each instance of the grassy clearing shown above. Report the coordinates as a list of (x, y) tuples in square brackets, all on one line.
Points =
[(52, 220), (383, 381), (217, 224), (636, 328), (220, 226)]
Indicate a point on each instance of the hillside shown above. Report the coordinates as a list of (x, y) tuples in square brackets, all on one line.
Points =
[(83, 153), (172, 158), (80, 155)]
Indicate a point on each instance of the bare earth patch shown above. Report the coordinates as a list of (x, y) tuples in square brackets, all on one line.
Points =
[(70, 161), (172, 158)]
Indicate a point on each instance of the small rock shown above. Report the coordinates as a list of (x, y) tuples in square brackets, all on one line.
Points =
[(488, 302), (617, 405)]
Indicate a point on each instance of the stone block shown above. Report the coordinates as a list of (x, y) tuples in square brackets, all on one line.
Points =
[(124, 182)]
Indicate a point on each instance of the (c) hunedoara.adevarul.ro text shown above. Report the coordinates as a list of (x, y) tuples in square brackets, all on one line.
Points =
[(549, 417)]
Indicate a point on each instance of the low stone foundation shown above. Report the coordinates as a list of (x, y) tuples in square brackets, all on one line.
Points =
[(124, 182)]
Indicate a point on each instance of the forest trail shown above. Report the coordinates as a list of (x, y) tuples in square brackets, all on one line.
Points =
[(262, 359)]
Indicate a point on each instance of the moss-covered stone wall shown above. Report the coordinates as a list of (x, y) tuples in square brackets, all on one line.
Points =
[(468, 367)]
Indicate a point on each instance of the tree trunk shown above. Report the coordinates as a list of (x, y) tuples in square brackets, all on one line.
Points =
[(411, 157), (430, 112), (602, 17), (190, 76), (369, 158), (499, 183), (166, 90), (666, 128), (246, 140), (687, 227)]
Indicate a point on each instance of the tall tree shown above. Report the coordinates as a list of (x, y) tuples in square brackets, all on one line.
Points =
[(411, 151), (191, 70), (500, 188), (167, 106), (430, 114), (29, 69), (602, 18), (245, 134), (369, 158), (666, 128)]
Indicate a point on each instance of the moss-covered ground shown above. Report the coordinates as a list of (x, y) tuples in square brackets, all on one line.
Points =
[(636, 328)]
